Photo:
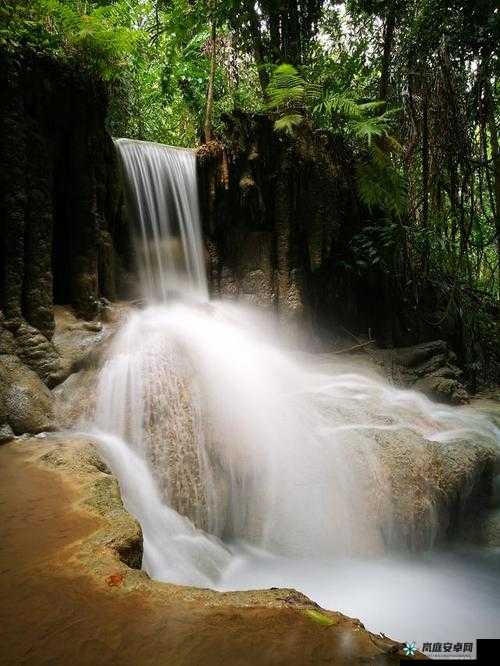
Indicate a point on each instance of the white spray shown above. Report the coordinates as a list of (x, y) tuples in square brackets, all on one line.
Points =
[(228, 449)]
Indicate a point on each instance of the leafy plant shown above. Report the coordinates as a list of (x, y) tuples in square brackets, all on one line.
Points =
[(379, 182), (94, 39), (289, 95)]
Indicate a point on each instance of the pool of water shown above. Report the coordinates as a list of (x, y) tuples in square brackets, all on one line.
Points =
[(439, 596)]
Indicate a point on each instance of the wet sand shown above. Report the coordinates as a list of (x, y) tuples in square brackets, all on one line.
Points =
[(57, 609)]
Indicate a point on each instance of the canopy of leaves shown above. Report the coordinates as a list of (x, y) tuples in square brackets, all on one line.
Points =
[(411, 87)]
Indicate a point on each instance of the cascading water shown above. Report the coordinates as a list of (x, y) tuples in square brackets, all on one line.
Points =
[(247, 465), (163, 194)]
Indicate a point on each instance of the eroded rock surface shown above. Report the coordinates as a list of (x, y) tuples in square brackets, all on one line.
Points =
[(82, 346), (30, 365), (26, 404), (429, 368), (441, 491)]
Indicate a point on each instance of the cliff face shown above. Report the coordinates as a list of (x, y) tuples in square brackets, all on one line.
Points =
[(274, 210), (63, 238), (286, 230), (281, 217), (61, 203)]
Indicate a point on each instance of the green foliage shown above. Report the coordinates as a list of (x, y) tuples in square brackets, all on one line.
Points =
[(362, 120), (380, 183), (376, 245), (289, 94), (321, 68), (381, 186), (177, 61), (288, 123), (287, 89), (57, 27)]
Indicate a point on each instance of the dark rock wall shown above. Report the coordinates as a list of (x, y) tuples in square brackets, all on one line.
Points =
[(282, 219), (61, 196), (274, 209), (63, 234)]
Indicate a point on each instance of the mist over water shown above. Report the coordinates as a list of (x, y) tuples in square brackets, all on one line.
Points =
[(251, 466)]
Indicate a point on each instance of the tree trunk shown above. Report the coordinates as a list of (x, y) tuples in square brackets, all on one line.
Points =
[(257, 46), (495, 155), (210, 89), (389, 27)]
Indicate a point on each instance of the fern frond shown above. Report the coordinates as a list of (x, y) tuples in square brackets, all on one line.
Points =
[(343, 105), (288, 123), (381, 186), (366, 129), (286, 88)]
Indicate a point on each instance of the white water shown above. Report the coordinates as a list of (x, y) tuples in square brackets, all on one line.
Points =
[(275, 458), (169, 245)]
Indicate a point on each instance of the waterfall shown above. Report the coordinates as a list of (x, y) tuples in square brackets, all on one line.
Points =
[(239, 458), (163, 195)]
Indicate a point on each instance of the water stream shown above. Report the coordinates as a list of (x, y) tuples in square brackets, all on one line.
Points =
[(251, 466)]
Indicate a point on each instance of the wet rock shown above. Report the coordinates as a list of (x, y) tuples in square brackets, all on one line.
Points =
[(75, 397), (437, 489), (76, 341), (7, 343), (94, 326), (6, 433), (39, 354), (495, 488), (429, 368), (411, 357), (442, 389), (489, 404), (83, 347), (80, 568), (26, 404), (124, 534), (491, 529), (83, 344), (273, 221), (64, 235)]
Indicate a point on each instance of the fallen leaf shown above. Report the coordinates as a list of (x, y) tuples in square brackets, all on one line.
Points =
[(115, 580)]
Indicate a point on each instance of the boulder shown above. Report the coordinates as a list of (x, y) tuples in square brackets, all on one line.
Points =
[(38, 353), (6, 433), (412, 357), (442, 389), (437, 489), (75, 397), (429, 368), (26, 404)]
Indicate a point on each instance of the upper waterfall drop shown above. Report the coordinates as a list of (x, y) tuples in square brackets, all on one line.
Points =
[(163, 195)]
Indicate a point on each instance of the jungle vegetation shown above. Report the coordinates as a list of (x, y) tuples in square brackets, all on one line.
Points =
[(412, 87)]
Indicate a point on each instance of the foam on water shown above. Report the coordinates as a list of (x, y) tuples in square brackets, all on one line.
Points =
[(250, 466)]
